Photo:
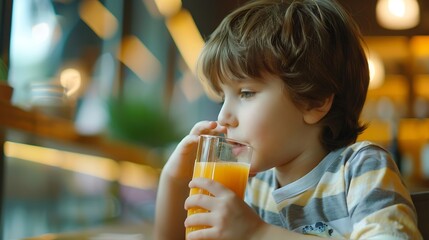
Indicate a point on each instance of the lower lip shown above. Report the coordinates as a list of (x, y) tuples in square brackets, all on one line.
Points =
[(237, 150)]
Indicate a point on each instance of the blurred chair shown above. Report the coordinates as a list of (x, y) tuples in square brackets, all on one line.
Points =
[(421, 202)]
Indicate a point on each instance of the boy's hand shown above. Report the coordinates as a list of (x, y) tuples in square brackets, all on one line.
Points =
[(181, 162), (175, 177), (229, 216)]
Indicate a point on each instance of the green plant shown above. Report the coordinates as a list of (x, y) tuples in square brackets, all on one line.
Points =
[(140, 122)]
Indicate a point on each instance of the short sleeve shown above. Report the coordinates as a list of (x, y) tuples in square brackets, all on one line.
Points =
[(378, 201)]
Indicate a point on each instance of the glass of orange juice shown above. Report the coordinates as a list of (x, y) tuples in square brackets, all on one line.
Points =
[(224, 160)]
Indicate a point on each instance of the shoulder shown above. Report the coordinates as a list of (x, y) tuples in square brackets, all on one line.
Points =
[(363, 148), (377, 198), (372, 178), (365, 156)]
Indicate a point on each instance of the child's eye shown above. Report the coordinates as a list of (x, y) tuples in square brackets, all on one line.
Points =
[(247, 94)]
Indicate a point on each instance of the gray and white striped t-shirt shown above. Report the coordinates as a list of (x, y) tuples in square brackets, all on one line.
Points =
[(354, 193)]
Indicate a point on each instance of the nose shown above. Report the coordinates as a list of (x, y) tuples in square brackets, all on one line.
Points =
[(227, 117)]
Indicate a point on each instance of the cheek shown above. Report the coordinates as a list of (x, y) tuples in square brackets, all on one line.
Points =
[(274, 132), (266, 133), (269, 121), (256, 123)]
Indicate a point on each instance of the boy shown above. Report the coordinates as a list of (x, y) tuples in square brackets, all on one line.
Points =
[(293, 78)]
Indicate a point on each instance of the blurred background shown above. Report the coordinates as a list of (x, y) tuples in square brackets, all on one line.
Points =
[(94, 95)]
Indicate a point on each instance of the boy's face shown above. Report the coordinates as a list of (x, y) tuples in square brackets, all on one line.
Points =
[(262, 114)]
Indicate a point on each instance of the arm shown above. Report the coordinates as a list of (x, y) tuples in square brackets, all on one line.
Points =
[(173, 186), (169, 212)]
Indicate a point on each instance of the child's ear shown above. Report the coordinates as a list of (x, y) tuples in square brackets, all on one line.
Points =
[(315, 114)]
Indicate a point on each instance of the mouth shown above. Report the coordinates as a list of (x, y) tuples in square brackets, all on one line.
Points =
[(237, 146), (238, 149), (235, 141)]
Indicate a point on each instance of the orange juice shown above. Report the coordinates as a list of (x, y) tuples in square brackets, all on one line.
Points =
[(232, 175)]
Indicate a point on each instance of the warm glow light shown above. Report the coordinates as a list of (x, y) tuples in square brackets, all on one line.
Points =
[(168, 7), (138, 176), (136, 56), (48, 236), (185, 34), (421, 86), (103, 168), (377, 131), (396, 7), (71, 80), (98, 18), (376, 71), (398, 14), (127, 173), (420, 46)]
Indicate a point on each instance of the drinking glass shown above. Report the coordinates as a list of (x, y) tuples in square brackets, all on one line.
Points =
[(223, 160)]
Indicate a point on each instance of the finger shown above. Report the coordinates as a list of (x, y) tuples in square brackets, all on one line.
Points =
[(208, 127), (200, 222), (203, 127), (199, 201), (191, 142), (208, 233), (213, 187), (221, 129), (201, 218)]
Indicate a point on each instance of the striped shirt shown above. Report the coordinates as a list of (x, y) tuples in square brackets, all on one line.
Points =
[(354, 193)]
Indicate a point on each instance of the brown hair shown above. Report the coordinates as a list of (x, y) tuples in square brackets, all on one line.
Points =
[(314, 46)]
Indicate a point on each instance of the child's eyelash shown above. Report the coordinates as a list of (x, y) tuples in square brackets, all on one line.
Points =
[(246, 94)]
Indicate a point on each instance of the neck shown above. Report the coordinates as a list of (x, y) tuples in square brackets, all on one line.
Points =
[(300, 165)]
